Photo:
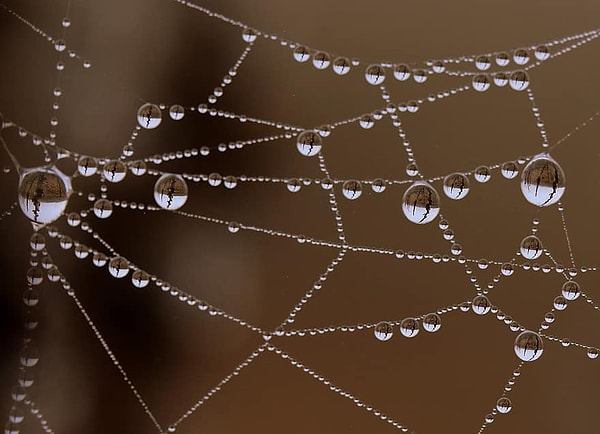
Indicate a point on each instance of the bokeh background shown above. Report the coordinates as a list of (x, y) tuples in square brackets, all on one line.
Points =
[(163, 52)]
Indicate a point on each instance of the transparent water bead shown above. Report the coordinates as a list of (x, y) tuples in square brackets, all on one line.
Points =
[(503, 405), (114, 171), (531, 247), (593, 353), (482, 174), (402, 72), (500, 79), (378, 185), (118, 267), (481, 305), (321, 60), (481, 82), (87, 166), (176, 112), (409, 327), (432, 322), (149, 116), (341, 65), (502, 59), (521, 56), (103, 208), (541, 52), (509, 170), (352, 189), (294, 185), (301, 54), (43, 194), (140, 279), (519, 80), (529, 346), (483, 63), (543, 181), (309, 143), (375, 74), (456, 186), (383, 331), (421, 203), (170, 191), (571, 290)]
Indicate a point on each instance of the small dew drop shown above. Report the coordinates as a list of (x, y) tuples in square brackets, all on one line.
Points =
[(170, 191)]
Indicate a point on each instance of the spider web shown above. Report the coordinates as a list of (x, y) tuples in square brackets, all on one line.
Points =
[(262, 302)]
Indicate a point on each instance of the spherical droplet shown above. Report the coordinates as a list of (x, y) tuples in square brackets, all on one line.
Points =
[(309, 143), (149, 116), (529, 346), (571, 290), (481, 305), (140, 279), (543, 181), (301, 54), (502, 59), (593, 353), (233, 227), (560, 303), (321, 60), (500, 79), (383, 331), (531, 247), (43, 194), (541, 52), (503, 405), (249, 35), (509, 170), (481, 82), (103, 208), (378, 185), (432, 322), (118, 267), (341, 65), (294, 185), (519, 80), (401, 72), (176, 112), (483, 63), (412, 169), (375, 74), (114, 171), (420, 76), (421, 203), (482, 174), (352, 189), (87, 166), (521, 56), (456, 186), (507, 269), (170, 191), (409, 327), (366, 121)]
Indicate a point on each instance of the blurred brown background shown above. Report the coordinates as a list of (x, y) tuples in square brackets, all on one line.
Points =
[(160, 51)]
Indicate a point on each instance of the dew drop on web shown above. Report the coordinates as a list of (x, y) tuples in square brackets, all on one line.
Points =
[(170, 191), (149, 116), (529, 346), (383, 331), (43, 194), (409, 327), (421, 203), (309, 143), (543, 181), (531, 247), (456, 186), (352, 189)]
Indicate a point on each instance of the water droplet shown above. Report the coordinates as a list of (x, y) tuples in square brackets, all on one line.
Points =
[(502, 59), (378, 185), (170, 191), (60, 45), (509, 170), (87, 166), (233, 227), (326, 184), (412, 169), (309, 143), (519, 80), (500, 79), (420, 76), (43, 194), (293, 185), (432, 322), (529, 346), (383, 331), (301, 54), (401, 72), (230, 182), (409, 327), (482, 174), (507, 269), (103, 208), (593, 353), (481, 82), (249, 35), (366, 121), (341, 65), (29, 357), (456, 186), (483, 63), (375, 74), (114, 171), (321, 60), (542, 52), (140, 279), (37, 242), (438, 67), (118, 267), (481, 305), (531, 247), (421, 203), (352, 189), (149, 116), (503, 405), (543, 181), (521, 56), (176, 112), (571, 290), (138, 168)]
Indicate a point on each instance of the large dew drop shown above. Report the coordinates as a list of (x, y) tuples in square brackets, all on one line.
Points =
[(529, 346), (383, 331), (531, 247), (309, 143), (456, 186), (421, 203), (543, 181), (352, 189), (170, 191), (149, 116), (43, 194)]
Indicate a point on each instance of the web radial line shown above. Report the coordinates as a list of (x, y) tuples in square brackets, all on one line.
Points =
[(489, 418), (321, 379), (219, 385), (8, 211), (567, 342), (574, 130), (111, 355), (561, 211), (36, 412), (536, 112)]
